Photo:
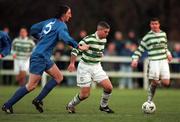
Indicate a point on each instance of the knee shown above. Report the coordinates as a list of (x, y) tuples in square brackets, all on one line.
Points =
[(59, 79), (84, 96), (108, 89), (31, 87), (166, 83)]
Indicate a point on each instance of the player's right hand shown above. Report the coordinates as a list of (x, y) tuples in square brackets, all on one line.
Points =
[(134, 63), (14, 56), (83, 47), (71, 67), (169, 57)]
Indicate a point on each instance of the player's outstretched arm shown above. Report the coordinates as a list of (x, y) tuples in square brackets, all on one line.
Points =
[(71, 66), (83, 47), (64, 35)]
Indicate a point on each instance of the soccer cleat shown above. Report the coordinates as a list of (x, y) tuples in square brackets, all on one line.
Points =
[(38, 104), (7, 110), (106, 109), (70, 110)]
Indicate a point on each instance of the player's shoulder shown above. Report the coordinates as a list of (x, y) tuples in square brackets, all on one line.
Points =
[(90, 36), (3, 34), (17, 39), (61, 25), (30, 40), (163, 33), (147, 35), (50, 20)]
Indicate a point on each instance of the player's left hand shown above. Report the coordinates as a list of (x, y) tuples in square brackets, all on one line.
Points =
[(71, 67), (169, 57), (83, 47), (134, 63), (1, 56)]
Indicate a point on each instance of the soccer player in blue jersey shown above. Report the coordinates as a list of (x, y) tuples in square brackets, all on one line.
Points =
[(48, 33), (5, 44)]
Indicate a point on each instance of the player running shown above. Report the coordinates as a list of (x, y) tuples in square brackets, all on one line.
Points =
[(155, 43), (48, 32), (90, 69)]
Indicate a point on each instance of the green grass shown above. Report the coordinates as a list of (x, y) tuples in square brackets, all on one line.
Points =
[(126, 104)]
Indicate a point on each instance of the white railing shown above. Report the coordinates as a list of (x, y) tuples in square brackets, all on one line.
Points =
[(112, 59)]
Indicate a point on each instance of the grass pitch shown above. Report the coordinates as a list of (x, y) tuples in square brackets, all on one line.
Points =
[(126, 104)]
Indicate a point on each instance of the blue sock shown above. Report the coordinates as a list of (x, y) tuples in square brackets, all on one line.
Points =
[(21, 92), (47, 88)]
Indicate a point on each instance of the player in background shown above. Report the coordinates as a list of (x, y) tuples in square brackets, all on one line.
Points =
[(90, 69), (5, 44), (22, 47), (155, 43), (48, 32)]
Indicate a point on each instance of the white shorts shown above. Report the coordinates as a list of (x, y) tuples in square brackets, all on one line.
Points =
[(21, 65), (158, 70), (86, 73)]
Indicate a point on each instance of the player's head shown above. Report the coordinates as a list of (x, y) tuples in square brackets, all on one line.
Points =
[(103, 29), (64, 13), (155, 24), (23, 33)]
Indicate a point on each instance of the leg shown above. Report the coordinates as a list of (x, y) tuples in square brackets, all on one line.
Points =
[(57, 78), (107, 86), (165, 73), (18, 78), (84, 82), (152, 89), (84, 93), (21, 92), (154, 76), (21, 78), (165, 82)]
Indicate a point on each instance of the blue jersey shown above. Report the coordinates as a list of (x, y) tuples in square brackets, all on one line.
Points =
[(5, 44), (48, 33)]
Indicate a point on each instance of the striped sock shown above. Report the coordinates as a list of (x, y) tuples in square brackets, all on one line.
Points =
[(104, 99), (151, 92), (75, 101)]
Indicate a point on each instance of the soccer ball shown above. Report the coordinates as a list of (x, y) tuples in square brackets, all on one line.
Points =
[(148, 107)]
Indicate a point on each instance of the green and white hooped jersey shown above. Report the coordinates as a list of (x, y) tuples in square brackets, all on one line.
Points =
[(96, 48), (155, 44), (22, 47)]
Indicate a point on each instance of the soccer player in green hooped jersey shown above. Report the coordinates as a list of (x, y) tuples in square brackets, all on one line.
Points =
[(155, 43), (90, 69), (22, 47)]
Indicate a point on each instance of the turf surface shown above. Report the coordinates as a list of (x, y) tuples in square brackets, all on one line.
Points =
[(125, 103)]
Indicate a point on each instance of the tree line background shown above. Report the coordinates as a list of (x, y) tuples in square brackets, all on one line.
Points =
[(123, 15)]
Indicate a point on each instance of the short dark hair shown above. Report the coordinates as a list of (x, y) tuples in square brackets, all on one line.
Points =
[(155, 19), (104, 24), (61, 10)]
